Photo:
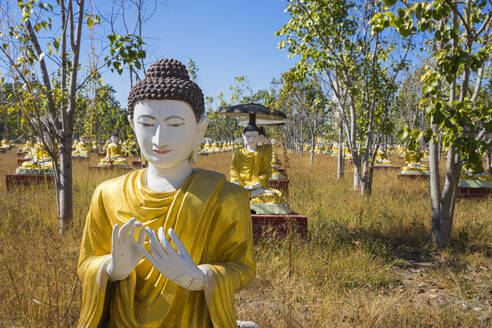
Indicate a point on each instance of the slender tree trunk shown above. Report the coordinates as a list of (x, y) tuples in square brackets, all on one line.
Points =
[(65, 206), (340, 162), (448, 197), (435, 188), (313, 145), (489, 160)]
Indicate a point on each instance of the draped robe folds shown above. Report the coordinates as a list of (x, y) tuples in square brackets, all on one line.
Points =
[(212, 219), (249, 168)]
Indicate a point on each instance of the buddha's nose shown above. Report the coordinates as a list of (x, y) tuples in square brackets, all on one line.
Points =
[(160, 134)]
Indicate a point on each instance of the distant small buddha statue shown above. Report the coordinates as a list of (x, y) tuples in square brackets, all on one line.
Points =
[(334, 150), (169, 245), (382, 159), (414, 163), (276, 174), (4, 145), (80, 150), (113, 154), (40, 162), (251, 169)]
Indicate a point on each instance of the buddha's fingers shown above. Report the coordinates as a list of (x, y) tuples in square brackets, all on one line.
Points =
[(126, 229), (155, 246), (114, 238), (179, 245), (141, 237), (147, 255), (165, 243)]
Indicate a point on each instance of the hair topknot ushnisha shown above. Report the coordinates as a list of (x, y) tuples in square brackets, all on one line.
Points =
[(167, 79)]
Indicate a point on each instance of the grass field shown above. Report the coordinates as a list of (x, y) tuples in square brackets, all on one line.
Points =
[(367, 262)]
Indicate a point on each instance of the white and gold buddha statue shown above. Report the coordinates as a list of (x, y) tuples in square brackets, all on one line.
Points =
[(168, 245), (382, 159), (275, 163), (414, 163), (80, 149), (113, 155), (4, 145), (251, 169), (40, 162)]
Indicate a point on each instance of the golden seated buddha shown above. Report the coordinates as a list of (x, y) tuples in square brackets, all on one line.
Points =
[(169, 245), (4, 145), (276, 175), (80, 150), (414, 163), (382, 159), (251, 169), (113, 155), (40, 162)]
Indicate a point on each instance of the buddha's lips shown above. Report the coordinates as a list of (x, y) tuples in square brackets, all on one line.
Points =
[(162, 151)]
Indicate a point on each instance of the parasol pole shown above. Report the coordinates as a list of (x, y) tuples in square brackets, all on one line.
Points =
[(252, 118)]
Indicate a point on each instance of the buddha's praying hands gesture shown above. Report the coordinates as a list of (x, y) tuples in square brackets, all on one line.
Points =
[(177, 266)]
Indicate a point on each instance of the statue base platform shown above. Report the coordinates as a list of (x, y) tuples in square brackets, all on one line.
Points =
[(282, 185), (474, 189), (278, 225), (246, 324), (413, 176), (386, 167), (25, 180), (109, 168)]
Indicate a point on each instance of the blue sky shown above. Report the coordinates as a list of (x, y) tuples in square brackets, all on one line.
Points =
[(225, 38)]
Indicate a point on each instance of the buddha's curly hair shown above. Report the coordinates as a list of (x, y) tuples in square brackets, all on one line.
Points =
[(167, 79)]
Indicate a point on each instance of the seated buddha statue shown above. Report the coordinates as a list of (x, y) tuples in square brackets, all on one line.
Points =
[(205, 147), (276, 175), (28, 150), (382, 159), (113, 155), (4, 145), (414, 163), (168, 245), (40, 162), (80, 150), (317, 149), (251, 169), (334, 150)]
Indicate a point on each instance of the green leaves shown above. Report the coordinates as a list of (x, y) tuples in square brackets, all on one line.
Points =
[(125, 50)]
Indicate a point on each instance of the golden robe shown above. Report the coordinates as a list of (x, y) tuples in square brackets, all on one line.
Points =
[(212, 219), (248, 168)]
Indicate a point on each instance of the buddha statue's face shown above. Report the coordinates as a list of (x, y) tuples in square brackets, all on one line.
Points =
[(167, 131), (114, 139), (251, 138)]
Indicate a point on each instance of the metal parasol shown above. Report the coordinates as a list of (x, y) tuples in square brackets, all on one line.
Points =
[(252, 111), (263, 122)]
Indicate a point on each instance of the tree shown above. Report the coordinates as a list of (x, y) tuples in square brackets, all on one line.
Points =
[(459, 47), (308, 101), (333, 39), (45, 77)]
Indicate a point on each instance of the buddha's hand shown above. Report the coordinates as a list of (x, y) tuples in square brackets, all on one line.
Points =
[(124, 252), (175, 266)]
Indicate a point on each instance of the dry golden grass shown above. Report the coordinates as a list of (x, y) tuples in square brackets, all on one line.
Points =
[(366, 264)]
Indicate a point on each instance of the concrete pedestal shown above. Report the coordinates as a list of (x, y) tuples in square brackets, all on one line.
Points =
[(279, 225), (24, 180)]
